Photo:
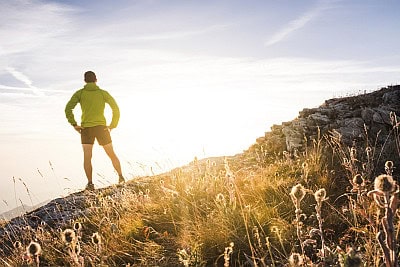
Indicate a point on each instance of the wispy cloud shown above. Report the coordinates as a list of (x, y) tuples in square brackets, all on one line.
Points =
[(297, 23), (27, 25), (181, 34), (24, 79)]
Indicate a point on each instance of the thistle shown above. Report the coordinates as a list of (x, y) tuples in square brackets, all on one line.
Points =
[(77, 226), (227, 254), (96, 240), (296, 260), (320, 197), (17, 245), (386, 196), (33, 252), (68, 236), (358, 180), (389, 167), (368, 150), (297, 194)]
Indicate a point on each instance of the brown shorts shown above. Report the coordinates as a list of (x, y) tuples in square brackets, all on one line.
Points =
[(100, 132)]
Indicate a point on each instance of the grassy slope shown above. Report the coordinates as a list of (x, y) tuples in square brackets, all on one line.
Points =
[(236, 212)]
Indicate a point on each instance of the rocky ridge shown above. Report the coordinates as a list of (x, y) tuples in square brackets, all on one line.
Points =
[(357, 120)]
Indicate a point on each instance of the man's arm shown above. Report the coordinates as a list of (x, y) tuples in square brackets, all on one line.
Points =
[(115, 110), (69, 107)]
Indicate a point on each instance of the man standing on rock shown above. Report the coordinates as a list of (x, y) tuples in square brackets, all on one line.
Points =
[(93, 123)]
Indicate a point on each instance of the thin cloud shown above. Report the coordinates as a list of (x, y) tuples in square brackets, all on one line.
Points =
[(15, 88), (24, 79), (180, 34), (297, 24), (30, 24)]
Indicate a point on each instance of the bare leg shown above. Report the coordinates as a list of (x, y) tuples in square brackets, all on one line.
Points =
[(87, 161), (114, 159)]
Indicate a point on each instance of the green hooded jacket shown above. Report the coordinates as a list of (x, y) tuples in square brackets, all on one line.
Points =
[(92, 100)]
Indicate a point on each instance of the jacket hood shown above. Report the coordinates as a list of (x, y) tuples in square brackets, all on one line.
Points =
[(91, 87)]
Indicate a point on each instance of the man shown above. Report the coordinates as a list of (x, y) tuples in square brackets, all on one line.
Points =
[(93, 123)]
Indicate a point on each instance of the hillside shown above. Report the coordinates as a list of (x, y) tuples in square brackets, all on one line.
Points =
[(300, 196), (19, 211)]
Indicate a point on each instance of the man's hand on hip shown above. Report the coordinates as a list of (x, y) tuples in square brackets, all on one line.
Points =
[(78, 128)]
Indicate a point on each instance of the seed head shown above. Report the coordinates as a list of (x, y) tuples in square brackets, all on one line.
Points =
[(68, 236), (17, 245), (96, 239), (389, 167), (33, 249), (358, 179), (385, 183), (295, 260), (320, 195), (220, 197), (77, 226), (389, 164), (298, 192), (77, 248), (304, 165)]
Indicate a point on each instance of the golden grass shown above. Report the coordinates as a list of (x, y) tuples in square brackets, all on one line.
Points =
[(233, 213)]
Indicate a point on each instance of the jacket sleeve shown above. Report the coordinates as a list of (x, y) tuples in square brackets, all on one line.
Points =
[(70, 106), (115, 109)]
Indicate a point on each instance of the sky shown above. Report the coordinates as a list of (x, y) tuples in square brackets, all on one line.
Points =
[(191, 78)]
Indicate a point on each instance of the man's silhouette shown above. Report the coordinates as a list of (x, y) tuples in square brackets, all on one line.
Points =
[(93, 123)]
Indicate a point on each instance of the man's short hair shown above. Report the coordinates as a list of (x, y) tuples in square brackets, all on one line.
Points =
[(90, 77)]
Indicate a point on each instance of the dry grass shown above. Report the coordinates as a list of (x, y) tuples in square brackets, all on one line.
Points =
[(306, 209)]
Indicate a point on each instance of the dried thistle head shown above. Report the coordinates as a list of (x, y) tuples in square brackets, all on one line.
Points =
[(385, 183), (358, 180), (17, 245), (296, 260), (77, 248), (96, 239), (358, 183), (68, 236), (389, 167), (34, 249), (220, 198), (389, 164), (77, 226), (304, 165), (320, 196), (297, 193)]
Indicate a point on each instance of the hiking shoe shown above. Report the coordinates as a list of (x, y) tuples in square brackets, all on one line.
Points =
[(89, 187), (121, 180)]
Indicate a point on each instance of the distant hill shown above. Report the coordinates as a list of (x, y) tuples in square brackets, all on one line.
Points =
[(20, 210)]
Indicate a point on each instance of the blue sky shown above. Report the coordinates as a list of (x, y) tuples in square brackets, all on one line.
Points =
[(192, 78)]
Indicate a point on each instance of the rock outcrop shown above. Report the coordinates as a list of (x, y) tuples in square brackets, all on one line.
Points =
[(352, 119), (62, 212)]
